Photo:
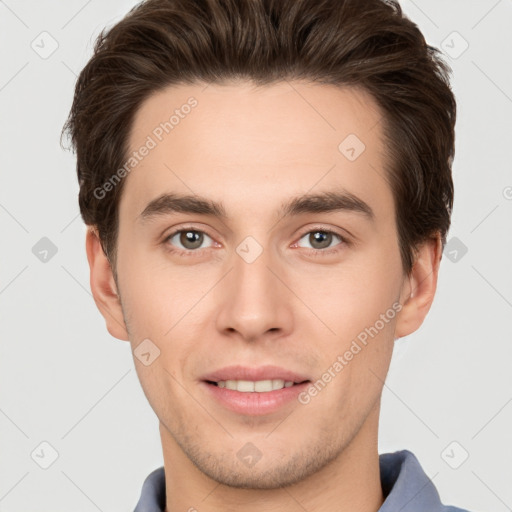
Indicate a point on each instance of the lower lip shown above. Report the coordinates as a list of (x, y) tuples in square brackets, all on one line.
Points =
[(255, 403)]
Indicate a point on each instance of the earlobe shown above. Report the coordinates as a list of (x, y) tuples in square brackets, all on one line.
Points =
[(103, 286), (419, 290)]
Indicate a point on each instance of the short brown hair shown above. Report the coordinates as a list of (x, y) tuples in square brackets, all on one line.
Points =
[(368, 44)]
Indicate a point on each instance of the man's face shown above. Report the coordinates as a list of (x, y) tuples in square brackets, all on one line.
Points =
[(212, 300)]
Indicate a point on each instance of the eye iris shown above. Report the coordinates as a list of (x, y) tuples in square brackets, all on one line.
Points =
[(322, 237), (193, 237)]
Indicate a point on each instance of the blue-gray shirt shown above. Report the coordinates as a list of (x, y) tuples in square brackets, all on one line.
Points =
[(405, 486)]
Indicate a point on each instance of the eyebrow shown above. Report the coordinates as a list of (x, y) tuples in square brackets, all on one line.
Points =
[(324, 202)]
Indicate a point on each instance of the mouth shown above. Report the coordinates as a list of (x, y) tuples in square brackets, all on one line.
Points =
[(255, 391), (255, 398), (259, 386)]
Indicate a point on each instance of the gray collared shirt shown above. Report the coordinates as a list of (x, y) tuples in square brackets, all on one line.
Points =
[(405, 486)]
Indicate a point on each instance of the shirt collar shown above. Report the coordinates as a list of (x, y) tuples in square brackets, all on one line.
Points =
[(405, 486)]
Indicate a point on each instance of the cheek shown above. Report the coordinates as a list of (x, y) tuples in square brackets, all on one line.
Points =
[(351, 296), (157, 295), (357, 301)]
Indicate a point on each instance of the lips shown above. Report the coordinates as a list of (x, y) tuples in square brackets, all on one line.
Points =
[(267, 372), (256, 403)]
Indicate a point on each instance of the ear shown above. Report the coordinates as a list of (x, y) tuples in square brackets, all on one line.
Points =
[(103, 286), (419, 288)]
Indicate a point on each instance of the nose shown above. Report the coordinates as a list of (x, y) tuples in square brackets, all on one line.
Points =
[(254, 301)]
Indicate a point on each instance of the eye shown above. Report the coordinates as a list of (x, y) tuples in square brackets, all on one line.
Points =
[(190, 239), (321, 239)]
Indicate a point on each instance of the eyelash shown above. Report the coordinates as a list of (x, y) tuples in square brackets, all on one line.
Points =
[(312, 252)]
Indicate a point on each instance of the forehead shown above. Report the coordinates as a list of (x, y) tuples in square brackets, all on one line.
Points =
[(249, 147)]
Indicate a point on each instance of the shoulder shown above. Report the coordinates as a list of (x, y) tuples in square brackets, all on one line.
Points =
[(407, 487)]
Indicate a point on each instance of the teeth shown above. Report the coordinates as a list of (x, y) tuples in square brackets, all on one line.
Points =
[(260, 386)]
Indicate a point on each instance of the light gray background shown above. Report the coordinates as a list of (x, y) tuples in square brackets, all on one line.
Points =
[(65, 381)]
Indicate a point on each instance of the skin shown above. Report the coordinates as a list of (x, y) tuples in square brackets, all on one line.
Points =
[(252, 149)]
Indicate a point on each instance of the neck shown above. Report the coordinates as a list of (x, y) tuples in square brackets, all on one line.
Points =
[(348, 483)]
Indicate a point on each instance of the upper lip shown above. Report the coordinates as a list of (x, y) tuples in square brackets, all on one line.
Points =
[(267, 372)]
